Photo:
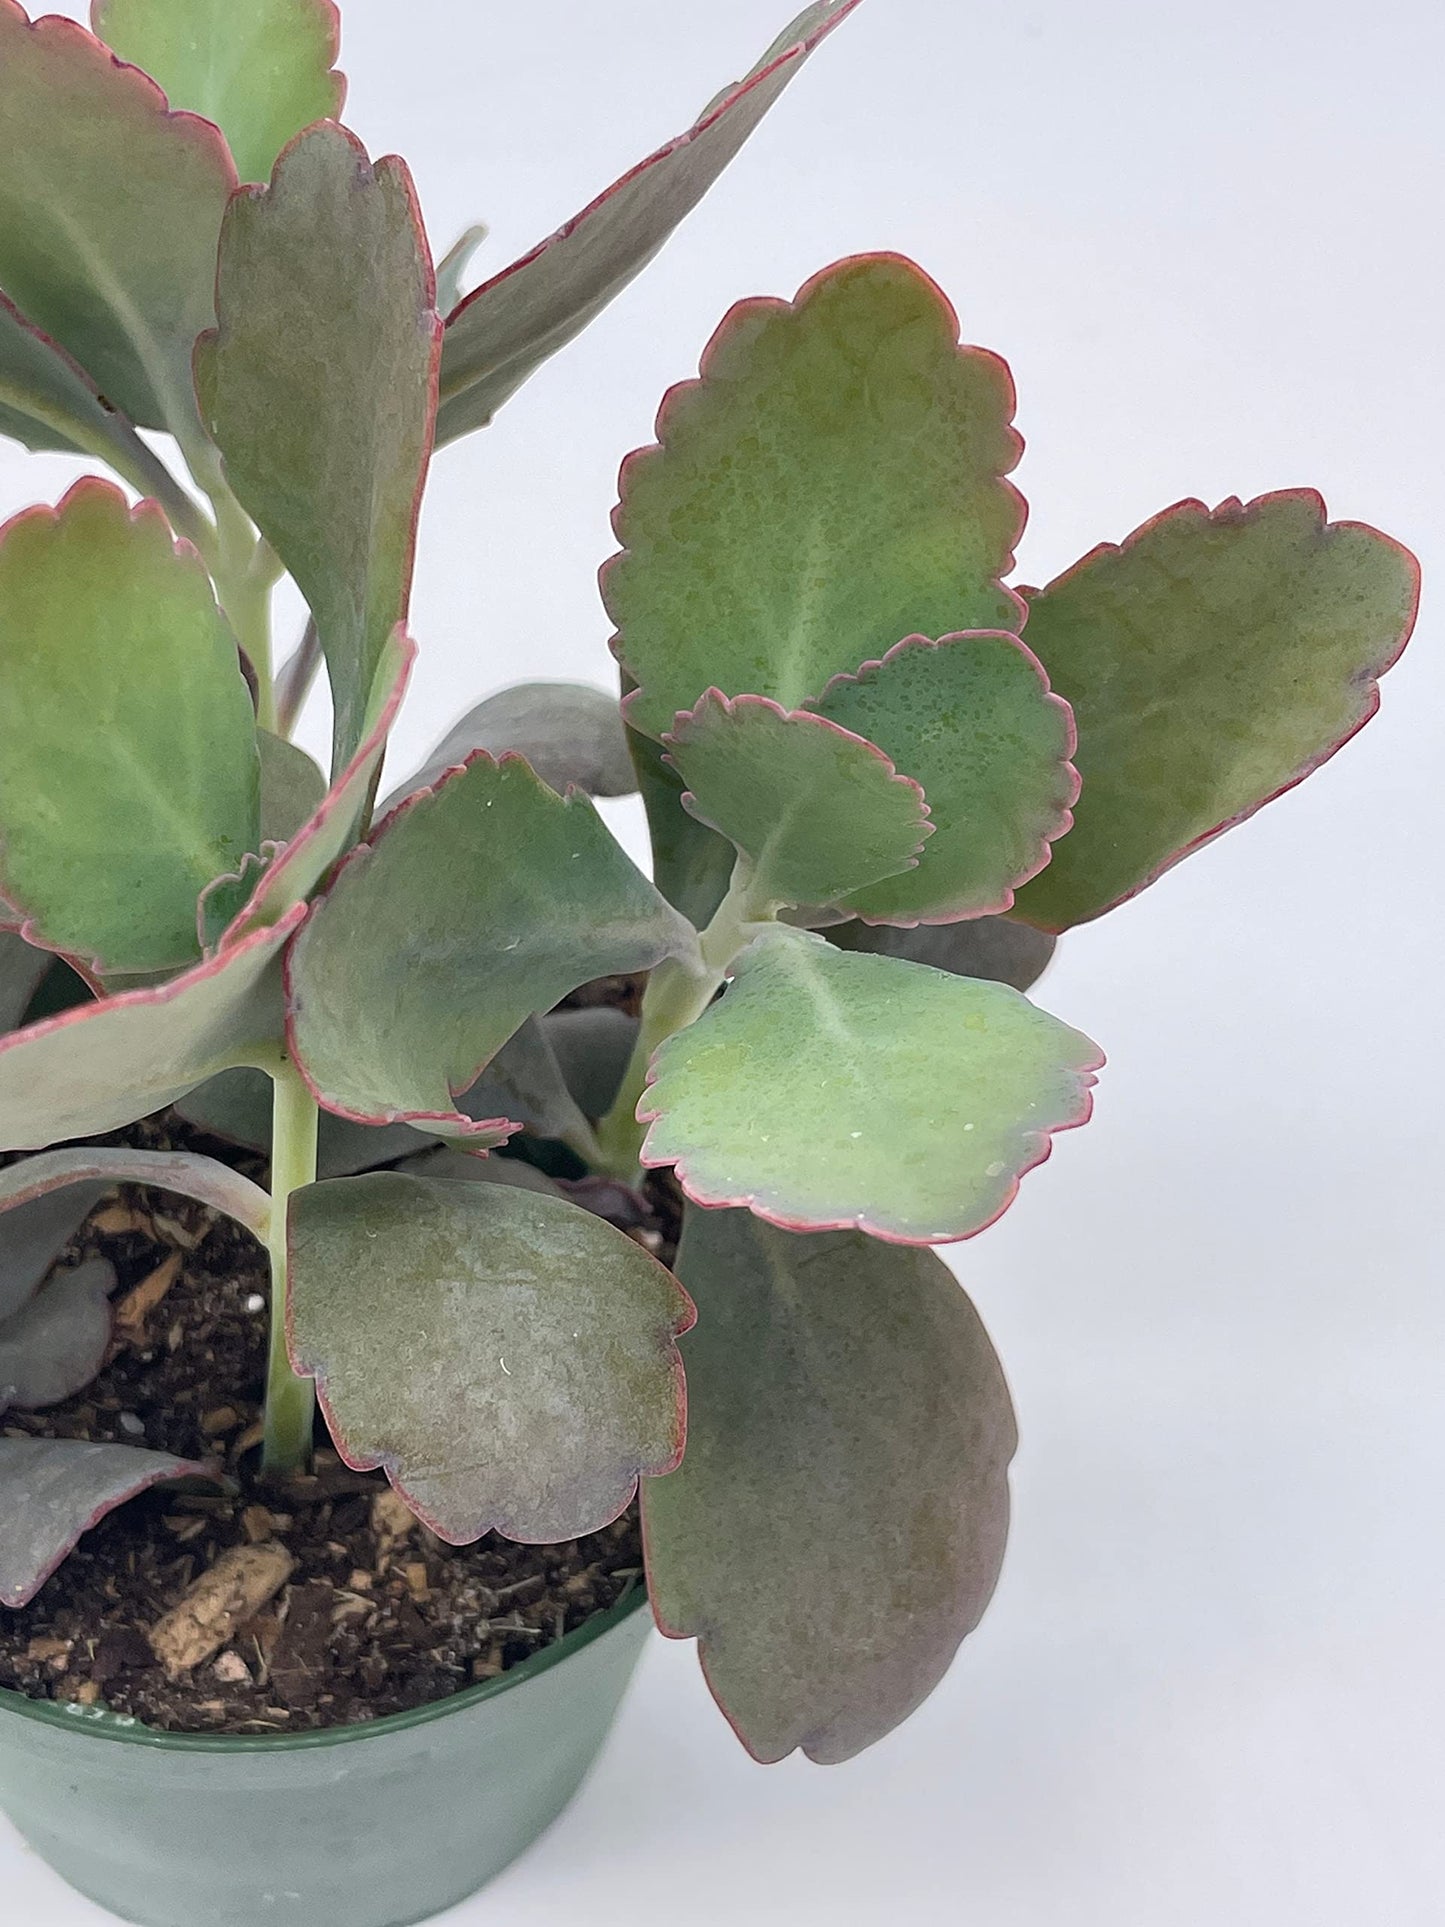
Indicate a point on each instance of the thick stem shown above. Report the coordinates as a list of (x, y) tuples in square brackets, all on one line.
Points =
[(290, 1400)]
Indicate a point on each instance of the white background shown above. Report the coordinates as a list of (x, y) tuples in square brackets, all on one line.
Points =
[(1209, 241)]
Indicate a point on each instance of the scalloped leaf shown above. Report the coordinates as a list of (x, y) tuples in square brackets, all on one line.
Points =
[(570, 733), (320, 387), (995, 948), (260, 69), (829, 1091), (190, 1175), (110, 211), (293, 787), (818, 810), (55, 1346), (22, 965), (107, 1063), (33, 1235), (838, 1523), (508, 1358), (52, 1491), (128, 765), (835, 480), (507, 328), (972, 719), (1213, 660), (477, 905)]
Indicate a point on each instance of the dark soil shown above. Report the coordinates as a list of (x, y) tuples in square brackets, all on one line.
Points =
[(368, 1623)]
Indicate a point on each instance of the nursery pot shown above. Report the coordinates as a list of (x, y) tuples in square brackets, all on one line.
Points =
[(371, 1825)]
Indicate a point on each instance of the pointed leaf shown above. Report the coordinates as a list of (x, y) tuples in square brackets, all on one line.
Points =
[(32, 1237), (320, 387), (110, 209), (55, 1346), (128, 766), (569, 733), (22, 965), (971, 718), (184, 1172), (834, 481), (1213, 661), (509, 1359), (260, 69), (292, 787), (995, 948), (452, 268), (477, 905), (108, 1063), (829, 1091), (52, 1491), (507, 328), (818, 810), (838, 1524)]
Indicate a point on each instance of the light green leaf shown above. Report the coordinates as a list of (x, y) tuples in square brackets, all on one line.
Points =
[(508, 1358), (320, 387), (838, 1522), (110, 211), (260, 69), (452, 268), (128, 764), (834, 482), (1213, 660), (479, 904), (829, 1091), (292, 787), (816, 809), (971, 719)]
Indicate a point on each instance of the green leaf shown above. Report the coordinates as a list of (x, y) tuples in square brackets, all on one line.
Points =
[(236, 1107), (509, 1359), (292, 788), (185, 1172), (452, 267), (260, 69), (320, 387), (107, 1063), (828, 1091), (817, 810), (832, 483), (838, 1523), (22, 965), (128, 765), (110, 210), (55, 1346), (507, 328), (33, 1235), (477, 905), (691, 864), (1213, 661), (995, 948), (971, 719)]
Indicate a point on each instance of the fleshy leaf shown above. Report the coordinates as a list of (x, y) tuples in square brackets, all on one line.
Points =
[(834, 481), (818, 810), (52, 1491), (838, 1524), (128, 766), (292, 787), (971, 718), (568, 732), (995, 948), (55, 1346), (106, 1064), (260, 69), (829, 1091), (691, 864), (593, 1047), (509, 1359), (477, 905), (1213, 660), (32, 1237), (22, 965), (508, 327), (320, 387), (185, 1172), (110, 209), (236, 1107), (452, 268)]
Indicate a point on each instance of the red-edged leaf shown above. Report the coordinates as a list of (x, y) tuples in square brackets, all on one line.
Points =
[(184, 1172)]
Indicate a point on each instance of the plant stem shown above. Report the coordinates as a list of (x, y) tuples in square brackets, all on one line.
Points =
[(290, 1400)]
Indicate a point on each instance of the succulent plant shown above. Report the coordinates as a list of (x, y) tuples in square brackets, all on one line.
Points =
[(879, 782)]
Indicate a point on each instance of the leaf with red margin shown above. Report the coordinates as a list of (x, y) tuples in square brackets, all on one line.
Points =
[(52, 1491), (510, 1359), (110, 211), (507, 328), (838, 1523), (828, 1091), (1213, 660), (834, 480), (319, 386), (817, 810), (972, 719), (261, 70), (994, 948), (185, 1172), (54, 1346), (476, 905), (107, 1063)]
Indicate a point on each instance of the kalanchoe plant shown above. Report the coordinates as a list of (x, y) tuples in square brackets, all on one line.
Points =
[(878, 780)]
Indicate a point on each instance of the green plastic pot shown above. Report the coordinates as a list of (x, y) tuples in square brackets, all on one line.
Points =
[(374, 1825)]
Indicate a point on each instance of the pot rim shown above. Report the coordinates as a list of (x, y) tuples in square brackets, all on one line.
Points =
[(98, 1723)]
